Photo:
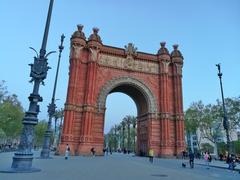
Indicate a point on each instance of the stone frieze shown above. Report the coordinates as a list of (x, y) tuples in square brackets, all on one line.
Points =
[(129, 64)]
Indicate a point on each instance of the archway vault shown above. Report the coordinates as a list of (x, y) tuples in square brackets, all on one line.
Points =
[(136, 89), (153, 81)]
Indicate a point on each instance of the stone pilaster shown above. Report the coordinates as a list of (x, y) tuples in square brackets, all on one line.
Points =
[(177, 60), (164, 60), (78, 42), (94, 45)]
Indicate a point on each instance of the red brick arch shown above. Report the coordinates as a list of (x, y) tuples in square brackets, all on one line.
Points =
[(136, 89), (153, 81)]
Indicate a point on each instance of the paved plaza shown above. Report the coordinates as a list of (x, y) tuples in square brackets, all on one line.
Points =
[(115, 167)]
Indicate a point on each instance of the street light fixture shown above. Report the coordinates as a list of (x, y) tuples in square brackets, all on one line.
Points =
[(225, 119), (22, 159), (51, 110)]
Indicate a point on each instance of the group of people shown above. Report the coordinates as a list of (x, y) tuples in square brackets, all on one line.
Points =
[(207, 158), (230, 160)]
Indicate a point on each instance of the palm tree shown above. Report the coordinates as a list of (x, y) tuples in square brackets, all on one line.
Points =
[(61, 115), (57, 115), (119, 127), (123, 123), (134, 123), (127, 119), (115, 137)]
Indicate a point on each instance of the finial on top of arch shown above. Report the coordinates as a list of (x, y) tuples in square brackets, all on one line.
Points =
[(176, 53), (162, 44), (95, 36), (80, 27), (95, 30), (79, 33), (175, 46), (130, 49), (163, 49)]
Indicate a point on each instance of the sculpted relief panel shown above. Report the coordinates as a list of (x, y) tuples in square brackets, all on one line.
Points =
[(129, 63)]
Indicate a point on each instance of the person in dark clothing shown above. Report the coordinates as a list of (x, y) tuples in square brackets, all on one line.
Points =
[(93, 151), (231, 162), (191, 159)]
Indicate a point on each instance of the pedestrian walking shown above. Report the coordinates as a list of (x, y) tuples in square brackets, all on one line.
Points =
[(231, 162), (93, 151), (206, 159), (151, 154), (67, 152), (191, 159), (209, 159)]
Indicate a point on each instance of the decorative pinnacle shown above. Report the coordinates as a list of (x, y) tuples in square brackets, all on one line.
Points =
[(162, 44), (95, 30), (175, 46), (61, 45), (219, 70), (80, 27)]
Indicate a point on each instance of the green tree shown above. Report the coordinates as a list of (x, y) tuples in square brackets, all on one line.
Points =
[(211, 125), (133, 134), (193, 118), (123, 124), (209, 119), (233, 112), (11, 115), (3, 91), (57, 115), (40, 129), (128, 121)]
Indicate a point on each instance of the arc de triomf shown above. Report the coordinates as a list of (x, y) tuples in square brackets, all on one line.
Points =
[(153, 81)]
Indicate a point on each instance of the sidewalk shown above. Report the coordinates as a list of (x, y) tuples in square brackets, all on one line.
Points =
[(216, 164)]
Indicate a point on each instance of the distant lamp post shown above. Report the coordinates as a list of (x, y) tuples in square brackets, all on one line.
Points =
[(225, 119), (51, 110), (22, 159)]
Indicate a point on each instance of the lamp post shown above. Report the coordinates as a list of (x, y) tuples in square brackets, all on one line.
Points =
[(22, 159), (51, 110), (225, 119)]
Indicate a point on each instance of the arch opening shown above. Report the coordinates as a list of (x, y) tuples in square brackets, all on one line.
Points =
[(145, 104), (120, 107), (137, 90)]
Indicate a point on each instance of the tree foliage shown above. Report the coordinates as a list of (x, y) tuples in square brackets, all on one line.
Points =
[(208, 119), (11, 114), (123, 134), (40, 129)]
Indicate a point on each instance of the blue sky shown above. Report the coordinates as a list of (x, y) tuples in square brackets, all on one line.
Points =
[(207, 31)]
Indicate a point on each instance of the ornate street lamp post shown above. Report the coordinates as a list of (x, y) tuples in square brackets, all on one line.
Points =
[(51, 110), (225, 119), (22, 159)]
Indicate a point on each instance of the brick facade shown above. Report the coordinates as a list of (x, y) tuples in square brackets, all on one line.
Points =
[(153, 81)]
